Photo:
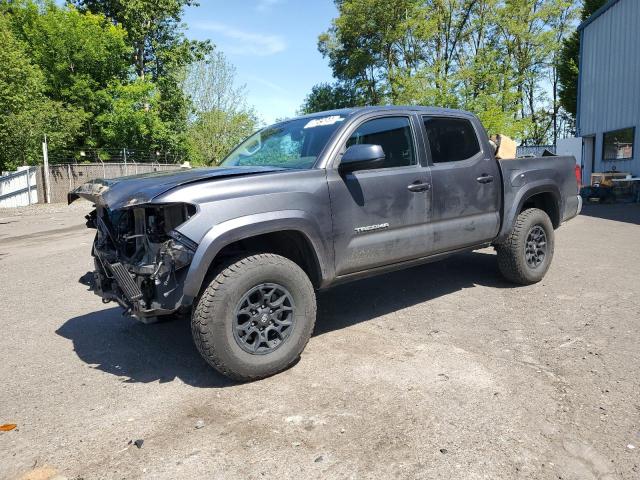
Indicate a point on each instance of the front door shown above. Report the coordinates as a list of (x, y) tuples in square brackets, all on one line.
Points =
[(466, 184), (380, 215)]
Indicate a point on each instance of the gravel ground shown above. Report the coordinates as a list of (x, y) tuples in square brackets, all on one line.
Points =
[(441, 371)]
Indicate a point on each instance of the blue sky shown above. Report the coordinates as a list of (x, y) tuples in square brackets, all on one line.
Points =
[(272, 44)]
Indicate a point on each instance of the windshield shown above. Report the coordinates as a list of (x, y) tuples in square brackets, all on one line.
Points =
[(292, 144)]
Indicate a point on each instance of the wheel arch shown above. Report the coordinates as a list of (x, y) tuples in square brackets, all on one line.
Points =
[(544, 196), (547, 201), (291, 234)]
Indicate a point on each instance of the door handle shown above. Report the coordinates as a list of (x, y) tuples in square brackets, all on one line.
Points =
[(419, 187), (484, 178)]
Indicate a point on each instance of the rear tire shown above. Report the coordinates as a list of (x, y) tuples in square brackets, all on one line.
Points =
[(255, 317), (525, 256)]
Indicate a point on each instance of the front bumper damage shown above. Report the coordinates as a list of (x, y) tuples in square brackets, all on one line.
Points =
[(140, 259)]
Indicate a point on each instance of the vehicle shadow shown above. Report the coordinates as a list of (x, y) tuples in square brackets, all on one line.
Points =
[(349, 304), (165, 351), (140, 353), (618, 212)]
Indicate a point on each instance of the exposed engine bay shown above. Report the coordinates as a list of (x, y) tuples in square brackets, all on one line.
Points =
[(140, 259)]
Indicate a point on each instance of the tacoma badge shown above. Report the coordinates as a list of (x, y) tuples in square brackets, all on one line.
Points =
[(369, 228)]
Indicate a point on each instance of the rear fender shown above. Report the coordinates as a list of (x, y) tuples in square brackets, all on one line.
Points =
[(248, 226), (514, 201)]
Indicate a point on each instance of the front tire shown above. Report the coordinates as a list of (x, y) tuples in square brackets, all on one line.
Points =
[(255, 317), (526, 255)]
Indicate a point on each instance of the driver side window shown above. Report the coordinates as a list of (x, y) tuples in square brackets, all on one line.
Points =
[(393, 134)]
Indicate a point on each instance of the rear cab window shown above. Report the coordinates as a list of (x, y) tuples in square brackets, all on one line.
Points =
[(450, 139)]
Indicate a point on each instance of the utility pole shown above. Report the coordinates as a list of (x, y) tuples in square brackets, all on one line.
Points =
[(45, 154)]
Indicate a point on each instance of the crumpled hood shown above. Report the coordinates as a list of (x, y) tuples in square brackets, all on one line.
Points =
[(138, 189)]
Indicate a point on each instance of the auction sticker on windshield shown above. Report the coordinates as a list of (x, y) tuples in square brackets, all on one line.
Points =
[(321, 122)]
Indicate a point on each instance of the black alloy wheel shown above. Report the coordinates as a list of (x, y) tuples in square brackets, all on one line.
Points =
[(536, 246), (264, 318)]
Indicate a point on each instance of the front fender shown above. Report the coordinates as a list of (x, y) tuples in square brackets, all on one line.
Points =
[(239, 228)]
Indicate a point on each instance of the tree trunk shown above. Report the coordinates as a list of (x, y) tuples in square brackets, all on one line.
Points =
[(140, 59)]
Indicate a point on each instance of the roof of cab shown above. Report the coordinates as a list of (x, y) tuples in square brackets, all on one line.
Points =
[(347, 112)]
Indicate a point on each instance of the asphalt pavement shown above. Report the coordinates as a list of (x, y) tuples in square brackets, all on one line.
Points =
[(440, 371)]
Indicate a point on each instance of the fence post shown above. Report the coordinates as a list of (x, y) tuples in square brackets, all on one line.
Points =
[(47, 187), (28, 185)]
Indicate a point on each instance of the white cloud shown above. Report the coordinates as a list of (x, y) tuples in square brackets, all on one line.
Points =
[(265, 5), (272, 86), (243, 42)]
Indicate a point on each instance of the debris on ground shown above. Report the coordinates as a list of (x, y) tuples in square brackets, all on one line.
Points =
[(199, 424), (138, 443), (319, 459), (7, 427), (295, 419)]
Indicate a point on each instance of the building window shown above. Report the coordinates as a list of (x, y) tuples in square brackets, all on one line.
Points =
[(618, 145)]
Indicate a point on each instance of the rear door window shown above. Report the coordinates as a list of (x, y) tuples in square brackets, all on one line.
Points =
[(451, 139)]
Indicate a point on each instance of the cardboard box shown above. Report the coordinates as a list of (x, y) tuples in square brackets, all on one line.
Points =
[(506, 148)]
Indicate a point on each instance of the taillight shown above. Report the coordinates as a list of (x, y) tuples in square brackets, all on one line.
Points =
[(579, 176)]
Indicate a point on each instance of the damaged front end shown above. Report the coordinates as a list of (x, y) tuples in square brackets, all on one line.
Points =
[(140, 259)]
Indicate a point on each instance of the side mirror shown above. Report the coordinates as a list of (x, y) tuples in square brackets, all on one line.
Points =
[(362, 157)]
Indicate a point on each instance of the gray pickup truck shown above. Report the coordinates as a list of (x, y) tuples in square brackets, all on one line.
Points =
[(311, 202)]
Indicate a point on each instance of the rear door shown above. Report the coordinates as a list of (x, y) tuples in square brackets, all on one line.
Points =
[(465, 181), (380, 215)]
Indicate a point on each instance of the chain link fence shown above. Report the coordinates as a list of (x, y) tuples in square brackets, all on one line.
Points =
[(112, 155), (65, 177)]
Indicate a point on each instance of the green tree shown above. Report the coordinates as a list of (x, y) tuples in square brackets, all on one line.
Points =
[(568, 62), (529, 32), (160, 50), (481, 82), (212, 135), (133, 118), (102, 73), (26, 114), (562, 25), (568, 73), (220, 117), (326, 96), (155, 32), (80, 55), (493, 57), (372, 43)]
